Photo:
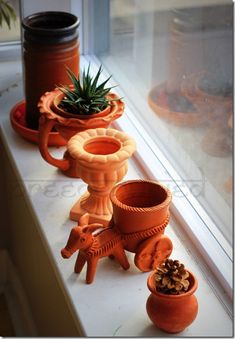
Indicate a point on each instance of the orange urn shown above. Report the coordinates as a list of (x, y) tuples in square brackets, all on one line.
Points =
[(100, 158)]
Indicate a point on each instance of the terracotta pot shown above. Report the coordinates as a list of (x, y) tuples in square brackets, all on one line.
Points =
[(50, 44), (157, 100), (139, 204), (69, 124), (99, 157), (172, 313), (141, 213)]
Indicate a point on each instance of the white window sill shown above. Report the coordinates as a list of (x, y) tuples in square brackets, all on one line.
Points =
[(114, 305)]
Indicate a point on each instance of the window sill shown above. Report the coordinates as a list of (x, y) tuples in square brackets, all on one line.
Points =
[(114, 305)]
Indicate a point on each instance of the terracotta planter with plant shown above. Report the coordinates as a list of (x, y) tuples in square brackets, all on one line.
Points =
[(72, 109), (172, 305)]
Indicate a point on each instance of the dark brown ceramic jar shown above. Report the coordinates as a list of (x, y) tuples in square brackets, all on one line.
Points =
[(50, 44)]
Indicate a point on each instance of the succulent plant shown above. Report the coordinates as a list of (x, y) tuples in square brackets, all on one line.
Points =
[(171, 277), (86, 97)]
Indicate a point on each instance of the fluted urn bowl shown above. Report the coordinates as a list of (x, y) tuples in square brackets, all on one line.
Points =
[(99, 158)]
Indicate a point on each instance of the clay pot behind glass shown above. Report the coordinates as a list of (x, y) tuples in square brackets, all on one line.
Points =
[(50, 44)]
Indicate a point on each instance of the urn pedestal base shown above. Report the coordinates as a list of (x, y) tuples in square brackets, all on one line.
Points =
[(79, 208)]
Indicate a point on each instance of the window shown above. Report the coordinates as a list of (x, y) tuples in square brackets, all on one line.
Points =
[(174, 64), (10, 27), (133, 41)]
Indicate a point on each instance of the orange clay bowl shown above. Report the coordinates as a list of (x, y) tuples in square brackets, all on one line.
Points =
[(18, 123)]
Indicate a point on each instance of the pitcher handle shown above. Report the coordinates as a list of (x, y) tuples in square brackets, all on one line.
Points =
[(45, 127)]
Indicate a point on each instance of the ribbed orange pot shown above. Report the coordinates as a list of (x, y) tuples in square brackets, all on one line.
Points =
[(139, 205), (140, 214), (172, 313)]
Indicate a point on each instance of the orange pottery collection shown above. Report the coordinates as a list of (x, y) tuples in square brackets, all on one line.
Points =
[(112, 217), (172, 313)]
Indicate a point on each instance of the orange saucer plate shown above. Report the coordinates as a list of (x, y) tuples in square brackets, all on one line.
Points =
[(18, 123)]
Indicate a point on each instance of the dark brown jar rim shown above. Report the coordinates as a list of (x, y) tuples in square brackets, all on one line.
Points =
[(53, 25)]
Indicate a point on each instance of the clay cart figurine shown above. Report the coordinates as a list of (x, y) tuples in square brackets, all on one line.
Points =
[(146, 240)]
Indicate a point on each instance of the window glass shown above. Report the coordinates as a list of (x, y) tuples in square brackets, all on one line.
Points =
[(176, 65), (10, 21)]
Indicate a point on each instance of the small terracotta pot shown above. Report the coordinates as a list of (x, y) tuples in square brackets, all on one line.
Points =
[(139, 204), (99, 157), (141, 213), (172, 313)]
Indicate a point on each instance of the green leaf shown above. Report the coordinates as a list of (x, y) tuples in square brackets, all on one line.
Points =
[(75, 81), (86, 96), (7, 13)]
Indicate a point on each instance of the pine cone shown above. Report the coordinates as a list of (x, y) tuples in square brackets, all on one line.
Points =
[(171, 277)]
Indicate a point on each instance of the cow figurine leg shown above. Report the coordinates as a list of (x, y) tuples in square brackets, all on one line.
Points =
[(120, 255), (91, 269), (80, 262)]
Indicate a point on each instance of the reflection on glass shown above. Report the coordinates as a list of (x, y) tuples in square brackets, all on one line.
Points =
[(179, 63)]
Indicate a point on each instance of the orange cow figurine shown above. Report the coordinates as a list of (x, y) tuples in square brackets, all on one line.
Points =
[(92, 246)]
